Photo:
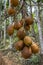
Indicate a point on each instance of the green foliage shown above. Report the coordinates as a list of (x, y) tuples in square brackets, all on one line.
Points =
[(27, 1), (7, 3), (1, 5), (19, 16), (35, 28), (7, 22), (40, 1), (35, 59)]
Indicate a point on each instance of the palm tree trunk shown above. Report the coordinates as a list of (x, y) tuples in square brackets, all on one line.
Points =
[(39, 30)]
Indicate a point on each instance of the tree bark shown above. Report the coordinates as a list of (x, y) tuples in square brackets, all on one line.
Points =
[(39, 30)]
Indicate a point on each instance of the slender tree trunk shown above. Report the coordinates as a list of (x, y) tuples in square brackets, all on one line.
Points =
[(10, 22), (5, 26), (33, 32), (40, 32)]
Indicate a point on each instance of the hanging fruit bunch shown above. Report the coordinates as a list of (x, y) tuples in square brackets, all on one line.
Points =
[(14, 2), (11, 11), (25, 43)]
